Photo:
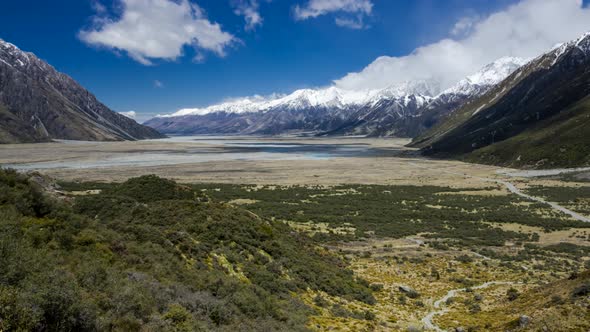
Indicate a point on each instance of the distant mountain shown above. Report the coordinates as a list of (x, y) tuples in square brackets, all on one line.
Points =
[(306, 110), (412, 114), (37, 104), (402, 110), (537, 117)]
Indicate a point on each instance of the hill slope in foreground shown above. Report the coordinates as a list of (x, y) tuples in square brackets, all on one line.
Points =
[(38, 103), (538, 117), (151, 255)]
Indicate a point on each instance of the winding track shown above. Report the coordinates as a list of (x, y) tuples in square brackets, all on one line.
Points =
[(513, 189), (439, 310), (555, 206)]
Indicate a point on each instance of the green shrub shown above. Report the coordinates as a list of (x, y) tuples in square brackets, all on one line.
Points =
[(145, 255), (512, 294), (151, 188)]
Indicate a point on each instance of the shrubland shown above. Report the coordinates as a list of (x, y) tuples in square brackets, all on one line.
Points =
[(149, 254)]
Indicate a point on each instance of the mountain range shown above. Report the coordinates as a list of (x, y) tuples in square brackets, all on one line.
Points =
[(38, 104), (539, 116), (404, 109)]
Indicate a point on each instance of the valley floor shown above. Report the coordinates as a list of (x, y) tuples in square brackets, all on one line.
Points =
[(283, 161), (443, 244)]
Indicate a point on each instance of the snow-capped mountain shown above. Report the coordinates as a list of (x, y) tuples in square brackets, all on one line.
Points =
[(537, 117), (385, 112), (331, 97), (487, 77), (38, 103), (466, 90), (411, 114), (304, 98)]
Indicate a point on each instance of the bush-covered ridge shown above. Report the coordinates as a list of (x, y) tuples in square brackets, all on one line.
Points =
[(126, 260)]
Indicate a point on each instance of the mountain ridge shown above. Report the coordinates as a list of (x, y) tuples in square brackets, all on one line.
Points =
[(332, 111), (392, 119), (46, 104), (535, 101)]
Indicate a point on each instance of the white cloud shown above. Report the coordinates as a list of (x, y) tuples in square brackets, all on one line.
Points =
[(526, 30), (464, 26), (351, 23), (250, 10), (158, 84), (157, 29), (130, 114), (315, 8)]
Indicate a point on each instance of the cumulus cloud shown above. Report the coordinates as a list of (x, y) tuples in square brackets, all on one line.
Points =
[(130, 114), (250, 10), (525, 29), (315, 8), (157, 29)]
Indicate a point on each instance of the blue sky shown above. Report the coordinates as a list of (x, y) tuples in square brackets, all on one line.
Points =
[(289, 49)]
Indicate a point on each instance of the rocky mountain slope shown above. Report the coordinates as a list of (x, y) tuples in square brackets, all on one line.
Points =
[(411, 115), (37, 103), (537, 117), (403, 110)]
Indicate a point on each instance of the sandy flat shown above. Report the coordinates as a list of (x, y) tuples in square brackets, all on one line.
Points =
[(377, 161)]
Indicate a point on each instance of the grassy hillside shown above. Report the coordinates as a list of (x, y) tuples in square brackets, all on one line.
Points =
[(149, 254), (560, 141)]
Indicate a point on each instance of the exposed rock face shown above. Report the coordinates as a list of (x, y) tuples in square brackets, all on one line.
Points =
[(37, 103)]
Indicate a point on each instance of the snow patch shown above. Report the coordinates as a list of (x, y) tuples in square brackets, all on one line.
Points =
[(6, 63), (332, 97), (479, 109), (559, 52)]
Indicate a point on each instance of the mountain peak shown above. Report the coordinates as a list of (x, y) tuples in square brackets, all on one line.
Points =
[(6, 45), (45, 104), (496, 71), (488, 76), (582, 43), (13, 56)]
